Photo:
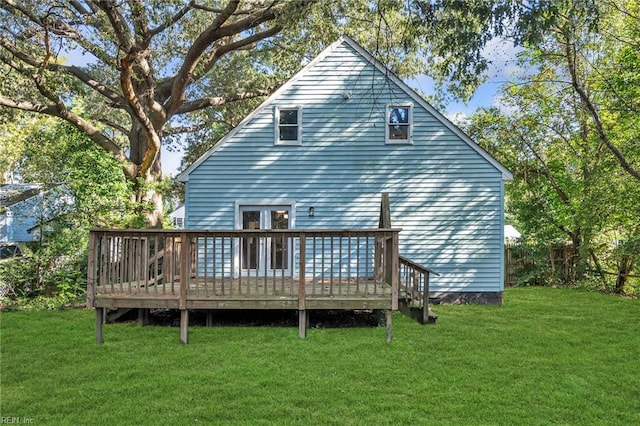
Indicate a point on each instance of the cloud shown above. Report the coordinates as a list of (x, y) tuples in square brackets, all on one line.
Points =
[(504, 107), (460, 119)]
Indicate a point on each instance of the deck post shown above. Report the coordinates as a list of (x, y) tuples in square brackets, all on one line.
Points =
[(143, 317), (168, 261), (184, 326), (91, 270), (184, 269), (209, 318), (303, 316), (99, 322), (395, 271), (385, 212), (425, 299), (184, 283), (388, 325), (303, 319)]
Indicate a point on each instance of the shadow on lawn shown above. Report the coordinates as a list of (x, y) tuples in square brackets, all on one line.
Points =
[(263, 318)]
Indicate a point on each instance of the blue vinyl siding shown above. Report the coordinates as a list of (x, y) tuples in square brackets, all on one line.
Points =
[(446, 197)]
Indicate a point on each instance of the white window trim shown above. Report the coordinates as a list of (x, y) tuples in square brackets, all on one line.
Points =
[(276, 125), (389, 141), (265, 203)]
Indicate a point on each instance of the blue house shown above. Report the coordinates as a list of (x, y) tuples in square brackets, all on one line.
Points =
[(25, 207), (321, 150)]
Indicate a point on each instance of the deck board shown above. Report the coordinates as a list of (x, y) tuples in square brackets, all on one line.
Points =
[(249, 294)]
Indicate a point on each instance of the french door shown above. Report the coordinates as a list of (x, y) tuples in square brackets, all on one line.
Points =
[(262, 255)]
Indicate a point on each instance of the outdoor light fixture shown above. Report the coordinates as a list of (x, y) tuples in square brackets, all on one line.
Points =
[(312, 212)]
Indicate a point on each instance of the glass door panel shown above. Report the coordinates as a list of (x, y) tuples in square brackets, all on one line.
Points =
[(279, 245), (250, 256), (262, 255)]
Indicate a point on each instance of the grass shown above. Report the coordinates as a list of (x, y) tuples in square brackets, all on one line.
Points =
[(547, 356)]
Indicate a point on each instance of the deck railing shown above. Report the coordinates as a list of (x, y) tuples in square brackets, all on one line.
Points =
[(290, 264), (414, 287)]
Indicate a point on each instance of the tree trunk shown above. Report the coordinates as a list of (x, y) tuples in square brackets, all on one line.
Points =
[(150, 196), (147, 182), (580, 256), (624, 269)]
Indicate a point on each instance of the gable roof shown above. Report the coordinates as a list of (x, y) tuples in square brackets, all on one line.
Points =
[(506, 174)]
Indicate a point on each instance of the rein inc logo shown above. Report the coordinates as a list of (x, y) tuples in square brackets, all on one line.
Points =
[(16, 421)]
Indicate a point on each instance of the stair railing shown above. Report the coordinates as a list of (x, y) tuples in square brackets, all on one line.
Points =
[(414, 287)]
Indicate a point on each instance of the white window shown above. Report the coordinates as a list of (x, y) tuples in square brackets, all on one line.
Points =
[(399, 123), (288, 125), (178, 222)]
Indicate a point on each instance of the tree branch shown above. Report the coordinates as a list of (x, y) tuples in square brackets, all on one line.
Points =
[(221, 100), (570, 56), (118, 24), (71, 70), (114, 125), (546, 172), (79, 7), (171, 21), (11, 4), (61, 28), (26, 105), (141, 30), (184, 129), (126, 82), (211, 59), (202, 42), (139, 19), (76, 120)]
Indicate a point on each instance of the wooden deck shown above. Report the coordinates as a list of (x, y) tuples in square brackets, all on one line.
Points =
[(264, 293), (252, 269)]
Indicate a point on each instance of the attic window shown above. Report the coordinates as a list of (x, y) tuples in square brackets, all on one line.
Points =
[(399, 123), (288, 125)]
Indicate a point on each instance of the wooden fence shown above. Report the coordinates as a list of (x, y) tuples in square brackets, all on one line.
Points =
[(533, 266)]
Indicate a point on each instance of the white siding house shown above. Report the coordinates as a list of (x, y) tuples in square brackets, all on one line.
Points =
[(322, 149), (177, 217)]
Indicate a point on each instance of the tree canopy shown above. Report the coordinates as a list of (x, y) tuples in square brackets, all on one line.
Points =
[(569, 133), (147, 66)]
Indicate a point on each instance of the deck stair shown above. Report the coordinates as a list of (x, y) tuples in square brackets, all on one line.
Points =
[(413, 294), (413, 289)]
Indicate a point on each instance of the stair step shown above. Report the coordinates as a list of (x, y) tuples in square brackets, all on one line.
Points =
[(113, 316), (416, 314)]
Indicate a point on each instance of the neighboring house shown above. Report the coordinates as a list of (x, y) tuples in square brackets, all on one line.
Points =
[(177, 217), (24, 207), (322, 149), (511, 233)]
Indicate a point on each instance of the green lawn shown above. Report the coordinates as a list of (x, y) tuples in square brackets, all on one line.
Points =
[(546, 356)]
